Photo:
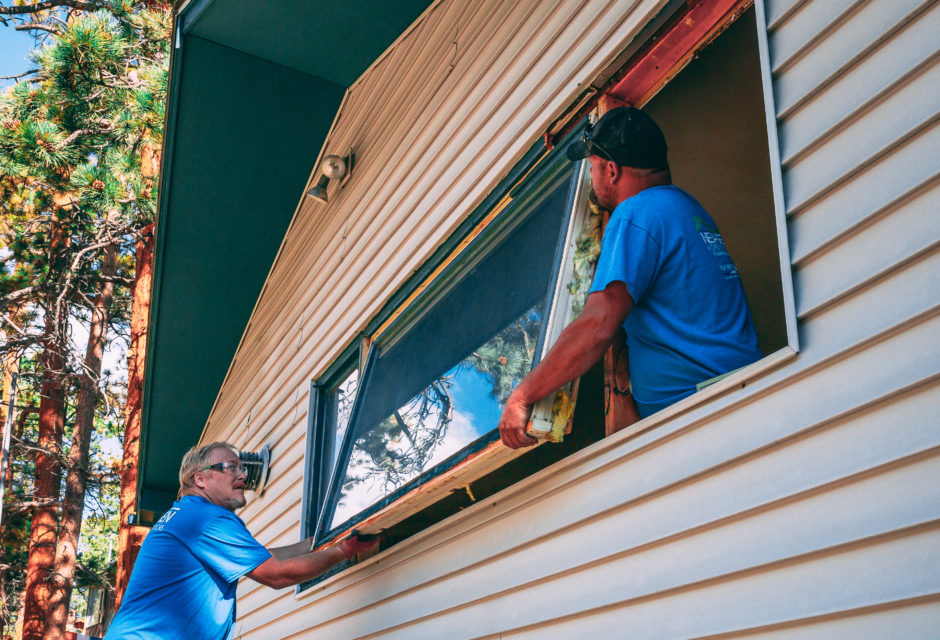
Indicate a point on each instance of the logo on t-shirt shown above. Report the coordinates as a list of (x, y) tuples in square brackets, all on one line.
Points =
[(166, 518), (716, 246), (711, 237)]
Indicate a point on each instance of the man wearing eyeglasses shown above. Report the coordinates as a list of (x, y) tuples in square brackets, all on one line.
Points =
[(664, 276), (184, 579)]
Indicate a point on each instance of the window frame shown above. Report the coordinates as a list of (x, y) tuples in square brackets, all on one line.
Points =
[(319, 425), (550, 168)]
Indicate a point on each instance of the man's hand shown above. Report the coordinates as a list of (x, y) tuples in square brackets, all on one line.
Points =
[(580, 345), (298, 562), (513, 422), (356, 543)]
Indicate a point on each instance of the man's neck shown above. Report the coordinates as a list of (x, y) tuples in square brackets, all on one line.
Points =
[(638, 180)]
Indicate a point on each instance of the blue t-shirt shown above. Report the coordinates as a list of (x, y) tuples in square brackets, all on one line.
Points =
[(183, 583), (690, 320)]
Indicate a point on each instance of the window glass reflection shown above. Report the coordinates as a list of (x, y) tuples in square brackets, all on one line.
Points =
[(343, 398), (451, 412)]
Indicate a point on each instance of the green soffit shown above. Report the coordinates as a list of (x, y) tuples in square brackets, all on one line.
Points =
[(254, 89)]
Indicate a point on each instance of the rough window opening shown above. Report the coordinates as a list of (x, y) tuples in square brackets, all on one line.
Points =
[(713, 116)]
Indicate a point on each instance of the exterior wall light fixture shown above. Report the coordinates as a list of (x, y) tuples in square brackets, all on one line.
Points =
[(257, 468), (332, 167)]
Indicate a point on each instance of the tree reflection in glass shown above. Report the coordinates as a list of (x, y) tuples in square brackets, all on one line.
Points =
[(452, 411), (343, 399)]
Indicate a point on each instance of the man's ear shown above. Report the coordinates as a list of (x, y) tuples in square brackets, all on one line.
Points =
[(613, 171), (199, 480)]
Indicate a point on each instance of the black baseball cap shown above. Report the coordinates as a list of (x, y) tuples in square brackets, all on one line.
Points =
[(624, 135)]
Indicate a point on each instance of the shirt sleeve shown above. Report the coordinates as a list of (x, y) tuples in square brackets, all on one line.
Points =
[(228, 548), (629, 254)]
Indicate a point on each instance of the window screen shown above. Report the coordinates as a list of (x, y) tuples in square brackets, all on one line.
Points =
[(439, 386)]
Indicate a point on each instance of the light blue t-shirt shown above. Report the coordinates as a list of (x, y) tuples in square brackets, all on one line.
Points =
[(184, 579), (690, 320)]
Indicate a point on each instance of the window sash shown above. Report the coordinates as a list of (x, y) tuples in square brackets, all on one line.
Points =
[(551, 175)]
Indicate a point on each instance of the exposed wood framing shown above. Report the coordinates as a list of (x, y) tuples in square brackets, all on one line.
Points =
[(671, 52)]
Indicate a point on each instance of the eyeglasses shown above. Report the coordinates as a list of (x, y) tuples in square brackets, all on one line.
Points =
[(588, 136), (235, 467)]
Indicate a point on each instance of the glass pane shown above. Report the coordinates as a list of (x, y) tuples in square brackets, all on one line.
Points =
[(452, 411), (441, 385), (342, 404)]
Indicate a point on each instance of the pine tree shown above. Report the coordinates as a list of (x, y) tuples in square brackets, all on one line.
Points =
[(72, 138)]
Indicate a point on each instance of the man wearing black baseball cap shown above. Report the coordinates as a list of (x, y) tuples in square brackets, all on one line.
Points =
[(664, 275)]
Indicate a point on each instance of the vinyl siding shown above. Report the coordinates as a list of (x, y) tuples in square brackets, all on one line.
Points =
[(804, 505)]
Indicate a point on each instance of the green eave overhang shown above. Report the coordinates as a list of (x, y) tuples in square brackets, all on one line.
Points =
[(254, 90)]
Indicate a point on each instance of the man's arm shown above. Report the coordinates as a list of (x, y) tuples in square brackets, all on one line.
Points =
[(295, 563), (291, 550), (580, 345)]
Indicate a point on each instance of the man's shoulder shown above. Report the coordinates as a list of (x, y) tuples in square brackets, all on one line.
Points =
[(659, 209), (652, 199), (643, 210), (191, 514)]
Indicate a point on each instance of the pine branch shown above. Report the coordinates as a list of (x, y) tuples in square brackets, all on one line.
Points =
[(17, 77), (6, 318), (36, 26), (16, 295), (16, 506), (124, 282), (36, 7), (78, 132)]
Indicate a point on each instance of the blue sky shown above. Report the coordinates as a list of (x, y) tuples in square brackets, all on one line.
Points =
[(471, 394), (14, 47)]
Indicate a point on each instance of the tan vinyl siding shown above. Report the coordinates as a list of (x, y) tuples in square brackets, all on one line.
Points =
[(804, 505)]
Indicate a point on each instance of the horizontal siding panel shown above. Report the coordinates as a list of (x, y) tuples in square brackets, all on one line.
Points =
[(805, 27), (886, 305), (907, 108), (914, 619), (869, 80), (788, 535), (282, 491), (823, 583), (779, 11), (873, 250), (830, 56), (907, 168), (646, 499)]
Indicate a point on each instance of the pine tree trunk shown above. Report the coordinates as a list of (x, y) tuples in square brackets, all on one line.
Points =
[(45, 524), (76, 482), (44, 530), (130, 537)]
